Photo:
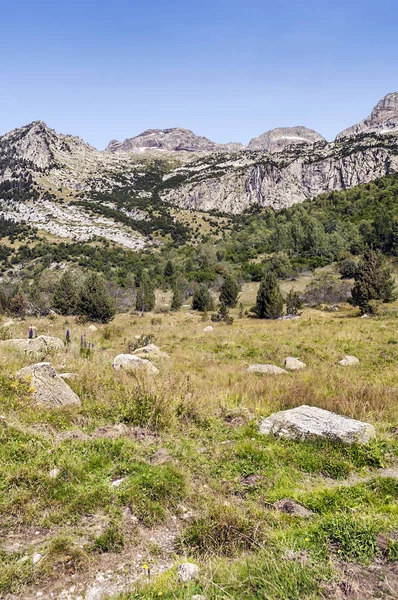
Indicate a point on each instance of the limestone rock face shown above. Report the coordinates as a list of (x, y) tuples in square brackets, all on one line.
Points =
[(280, 138), (349, 361), (130, 362), (175, 139), (382, 119), (151, 352), (50, 390), (39, 347), (267, 369), (234, 183), (294, 364), (306, 422)]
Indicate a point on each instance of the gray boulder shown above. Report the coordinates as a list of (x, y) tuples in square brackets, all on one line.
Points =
[(294, 364), (267, 369), (131, 362), (188, 572), (290, 507), (349, 361), (38, 347), (151, 352), (306, 422), (50, 390)]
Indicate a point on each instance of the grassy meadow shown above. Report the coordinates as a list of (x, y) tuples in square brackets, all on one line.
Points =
[(151, 472)]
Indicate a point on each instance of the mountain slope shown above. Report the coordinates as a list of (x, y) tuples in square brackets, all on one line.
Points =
[(382, 119)]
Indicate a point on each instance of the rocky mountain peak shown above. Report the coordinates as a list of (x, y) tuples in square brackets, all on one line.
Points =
[(174, 139), (382, 119), (280, 138)]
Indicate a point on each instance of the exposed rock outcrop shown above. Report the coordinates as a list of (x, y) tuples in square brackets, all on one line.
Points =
[(266, 369), (175, 139), (306, 422), (280, 138), (37, 347), (382, 119), (151, 352)]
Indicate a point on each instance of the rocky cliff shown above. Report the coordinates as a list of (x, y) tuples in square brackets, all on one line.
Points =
[(382, 119)]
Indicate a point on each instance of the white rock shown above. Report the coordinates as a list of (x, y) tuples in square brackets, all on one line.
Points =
[(208, 329), (306, 422), (54, 473), (37, 347), (118, 482), (92, 328), (8, 323), (198, 597), (130, 362), (36, 558), (348, 361), (294, 364), (267, 369), (188, 572), (151, 352)]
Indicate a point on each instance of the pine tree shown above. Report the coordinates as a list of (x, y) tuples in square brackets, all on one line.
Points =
[(145, 294), (293, 303), (269, 301), (229, 291), (65, 297), (202, 299), (95, 301), (373, 281), (169, 269), (176, 301)]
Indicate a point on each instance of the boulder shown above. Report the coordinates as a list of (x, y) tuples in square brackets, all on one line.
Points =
[(294, 364), (92, 328), (208, 329), (151, 352), (349, 361), (267, 369), (309, 422), (131, 362), (8, 323), (38, 347), (290, 507), (188, 572), (49, 389)]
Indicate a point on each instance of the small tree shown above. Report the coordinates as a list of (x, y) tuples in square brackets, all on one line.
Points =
[(293, 303), (95, 301), (65, 297), (269, 301), (18, 304), (348, 269), (229, 292), (202, 299), (169, 269), (176, 301), (373, 281), (145, 294)]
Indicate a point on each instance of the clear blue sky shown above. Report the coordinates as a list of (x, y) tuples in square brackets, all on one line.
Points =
[(226, 69)]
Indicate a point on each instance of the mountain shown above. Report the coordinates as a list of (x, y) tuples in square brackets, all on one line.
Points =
[(280, 138), (171, 140), (382, 119), (132, 193)]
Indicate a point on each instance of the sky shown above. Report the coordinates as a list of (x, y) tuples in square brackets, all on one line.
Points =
[(227, 69)]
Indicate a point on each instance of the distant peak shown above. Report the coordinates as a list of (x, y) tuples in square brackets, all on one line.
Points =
[(280, 138), (382, 119)]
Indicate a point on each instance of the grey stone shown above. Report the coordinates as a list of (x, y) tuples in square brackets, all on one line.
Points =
[(208, 329), (130, 362), (306, 422), (53, 474), (266, 369), (36, 558), (291, 507), (49, 389), (349, 361), (38, 347), (151, 352), (294, 364), (188, 572)]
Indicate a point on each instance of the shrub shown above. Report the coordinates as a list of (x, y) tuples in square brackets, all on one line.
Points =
[(293, 303), (348, 268), (326, 288)]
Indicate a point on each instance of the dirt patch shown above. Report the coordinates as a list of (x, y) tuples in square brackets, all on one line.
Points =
[(376, 581)]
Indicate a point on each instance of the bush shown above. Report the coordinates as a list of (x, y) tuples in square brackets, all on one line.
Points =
[(202, 299), (348, 269), (293, 303), (326, 288)]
